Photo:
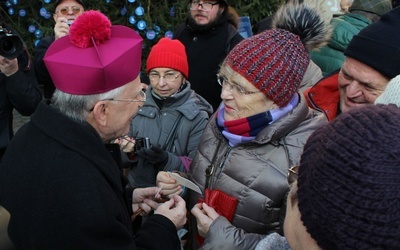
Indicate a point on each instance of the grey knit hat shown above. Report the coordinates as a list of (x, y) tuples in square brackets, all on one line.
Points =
[(349, 180), (391, 93), (378, 7)]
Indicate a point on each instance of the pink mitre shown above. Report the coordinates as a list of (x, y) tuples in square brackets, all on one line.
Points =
[(96, 57)]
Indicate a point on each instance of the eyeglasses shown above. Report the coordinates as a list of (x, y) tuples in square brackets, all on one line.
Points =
[(292, 174), (206, 6), (234, 88), (65, 10), (141, 93), (168, 77)]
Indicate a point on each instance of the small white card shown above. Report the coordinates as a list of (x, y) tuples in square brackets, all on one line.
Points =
[(185, 182)]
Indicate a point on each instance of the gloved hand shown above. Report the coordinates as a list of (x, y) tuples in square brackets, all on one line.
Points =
[(157, 156)]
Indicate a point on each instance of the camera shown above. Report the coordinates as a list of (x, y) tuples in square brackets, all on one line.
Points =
[(142, 142), (10, 45)]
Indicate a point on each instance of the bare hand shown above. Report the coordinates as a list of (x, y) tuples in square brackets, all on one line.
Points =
[(169, 184), (175, 210), (61, 28), (144, 198), (8, 67), (205, 216), (126, 143)]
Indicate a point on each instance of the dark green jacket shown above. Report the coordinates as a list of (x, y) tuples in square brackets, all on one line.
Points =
[(330, 57)]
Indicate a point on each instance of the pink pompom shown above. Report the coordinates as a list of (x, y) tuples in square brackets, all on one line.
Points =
[(91, 26)]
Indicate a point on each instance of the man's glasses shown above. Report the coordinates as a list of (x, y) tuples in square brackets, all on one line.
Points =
[(141, 94), (292, 174), (65, 10), (205, 6), (234, 88), (168, 77)]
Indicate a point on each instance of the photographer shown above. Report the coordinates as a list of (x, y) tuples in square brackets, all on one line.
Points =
[(65, 13), (18, 85)]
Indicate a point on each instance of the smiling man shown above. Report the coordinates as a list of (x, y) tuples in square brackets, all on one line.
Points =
[(372, 59)]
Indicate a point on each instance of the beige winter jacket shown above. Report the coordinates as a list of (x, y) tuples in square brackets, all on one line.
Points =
[(255, 172)]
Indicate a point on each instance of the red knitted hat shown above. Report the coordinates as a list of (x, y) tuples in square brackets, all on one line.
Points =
[(274, 61), (168, 53)]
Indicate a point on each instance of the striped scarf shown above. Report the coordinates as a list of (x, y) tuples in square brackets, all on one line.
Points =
[(246, 129)]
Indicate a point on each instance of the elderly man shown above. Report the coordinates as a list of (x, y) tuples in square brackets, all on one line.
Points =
[(65, 13), (59, 178), (372, 59)]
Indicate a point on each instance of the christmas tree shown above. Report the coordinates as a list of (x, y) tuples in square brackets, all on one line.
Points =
[(152, 19)]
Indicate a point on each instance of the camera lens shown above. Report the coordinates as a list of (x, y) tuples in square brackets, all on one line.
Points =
[(10, 46)]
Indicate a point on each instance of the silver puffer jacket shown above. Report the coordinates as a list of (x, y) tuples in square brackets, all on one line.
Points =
[(255, 172)]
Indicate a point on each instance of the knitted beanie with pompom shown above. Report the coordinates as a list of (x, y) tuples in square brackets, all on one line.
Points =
[(275, 61)]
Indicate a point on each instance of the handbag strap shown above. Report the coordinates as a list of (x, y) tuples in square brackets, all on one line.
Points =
[(171, 135)]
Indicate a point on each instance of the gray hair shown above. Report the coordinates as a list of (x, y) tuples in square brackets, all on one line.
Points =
[(78, 107)]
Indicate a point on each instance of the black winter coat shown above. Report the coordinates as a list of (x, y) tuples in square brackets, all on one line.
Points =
[(64, 190), (205, 51), (41, 71), (19, 91)]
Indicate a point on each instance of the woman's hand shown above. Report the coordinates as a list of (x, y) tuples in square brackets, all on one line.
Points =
[(205, 216), (126, 143), (8, 66), (170, 186)]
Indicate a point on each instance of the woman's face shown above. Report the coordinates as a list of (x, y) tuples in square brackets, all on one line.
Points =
[(165, 81), (240, 97)]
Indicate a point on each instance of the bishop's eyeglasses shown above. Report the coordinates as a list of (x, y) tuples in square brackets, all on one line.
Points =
[(141, 95)]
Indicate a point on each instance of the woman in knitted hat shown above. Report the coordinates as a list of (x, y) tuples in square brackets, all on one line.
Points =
[(256, 134), (172, 118), (347, 193)]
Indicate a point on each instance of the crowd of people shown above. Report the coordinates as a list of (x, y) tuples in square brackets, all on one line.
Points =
[(359, 15), (289, 135)]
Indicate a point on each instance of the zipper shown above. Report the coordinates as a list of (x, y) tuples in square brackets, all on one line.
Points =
[(218, 170)]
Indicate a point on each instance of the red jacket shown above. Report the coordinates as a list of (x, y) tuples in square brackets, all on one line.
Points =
[(324, 96)]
